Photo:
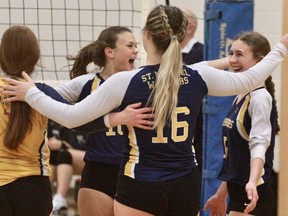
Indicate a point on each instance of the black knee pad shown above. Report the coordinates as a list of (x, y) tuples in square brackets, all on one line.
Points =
[(64, 157), (53, 158)]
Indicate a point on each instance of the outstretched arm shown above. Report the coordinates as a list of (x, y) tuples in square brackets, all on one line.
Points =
[(133, 115), (110, 94), (48, 90), (225, 83), (17, 90), (96, 125), (106, 98)]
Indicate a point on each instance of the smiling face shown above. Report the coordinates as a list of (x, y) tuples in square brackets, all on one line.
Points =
[(125, 52), (241, 56)]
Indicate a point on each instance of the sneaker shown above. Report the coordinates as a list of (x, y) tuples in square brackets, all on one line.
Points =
[(59, 205)]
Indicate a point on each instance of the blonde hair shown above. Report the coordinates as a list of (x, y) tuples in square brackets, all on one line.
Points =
[(167, 26)]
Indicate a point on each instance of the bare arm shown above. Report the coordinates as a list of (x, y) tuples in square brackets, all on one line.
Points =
[(256, 167), (217, 203), (219, 63)]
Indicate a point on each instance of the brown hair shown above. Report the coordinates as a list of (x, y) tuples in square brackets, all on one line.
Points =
[(260, 47), (94, 52), (167, 26), (19, 51)]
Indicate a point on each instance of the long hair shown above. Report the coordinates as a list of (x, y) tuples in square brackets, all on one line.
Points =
[(167, 25), (19, 51), (94, 52), (260, 47)]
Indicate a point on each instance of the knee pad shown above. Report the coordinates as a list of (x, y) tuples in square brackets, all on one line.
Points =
[(53, 158), (64, 157)]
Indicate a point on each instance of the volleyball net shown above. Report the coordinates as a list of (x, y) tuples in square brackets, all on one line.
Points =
[(63, 27)]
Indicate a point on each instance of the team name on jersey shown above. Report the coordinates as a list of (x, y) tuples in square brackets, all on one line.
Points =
[(228, 123), (148, 78)]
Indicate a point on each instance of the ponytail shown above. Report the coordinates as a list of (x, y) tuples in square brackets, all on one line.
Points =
[(167, 26)]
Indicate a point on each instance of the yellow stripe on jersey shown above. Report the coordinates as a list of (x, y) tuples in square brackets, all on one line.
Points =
[(240, 119), (261, 180), (134, 154), (95, 84)]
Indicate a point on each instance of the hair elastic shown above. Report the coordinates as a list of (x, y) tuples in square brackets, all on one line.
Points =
[(173, 37), (91, 67)]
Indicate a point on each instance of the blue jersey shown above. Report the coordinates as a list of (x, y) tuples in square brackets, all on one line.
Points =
[(102, 146), (237, 136), (165, 153)]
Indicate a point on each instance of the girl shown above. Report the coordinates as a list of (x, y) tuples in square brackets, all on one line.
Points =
[(158, 173)]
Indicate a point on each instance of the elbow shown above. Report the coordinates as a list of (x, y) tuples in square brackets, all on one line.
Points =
[(258, 149)]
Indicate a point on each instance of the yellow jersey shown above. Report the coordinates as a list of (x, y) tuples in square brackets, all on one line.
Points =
[(31, 157)]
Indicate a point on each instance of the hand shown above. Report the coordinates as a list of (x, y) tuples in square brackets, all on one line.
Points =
[(16, 90), (133, 116), (284, 40), (217, 205), (252, 194)]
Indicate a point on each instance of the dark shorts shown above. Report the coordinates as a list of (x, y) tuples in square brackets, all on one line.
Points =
[(26, 196), (238, 198), (176, 197), (101, 177)]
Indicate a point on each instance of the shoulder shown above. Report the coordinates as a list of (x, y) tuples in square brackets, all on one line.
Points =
[(85, 77), (260, 95), (198, 45), (199, 67), (260, 101), (124, 75), (120, 80)]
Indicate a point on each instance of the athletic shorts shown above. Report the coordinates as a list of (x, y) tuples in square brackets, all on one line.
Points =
[(30, 195), (101, 177), (176, 197), (238, 198)]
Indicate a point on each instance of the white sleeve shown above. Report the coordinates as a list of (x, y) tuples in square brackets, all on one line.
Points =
[(224, 83), (205, 63), (260, 134), (72, 88), (106, 98)]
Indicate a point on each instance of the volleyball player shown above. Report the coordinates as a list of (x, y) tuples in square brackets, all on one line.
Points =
[(114, 50), (249, 136), (24, 155), (158, 175)]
